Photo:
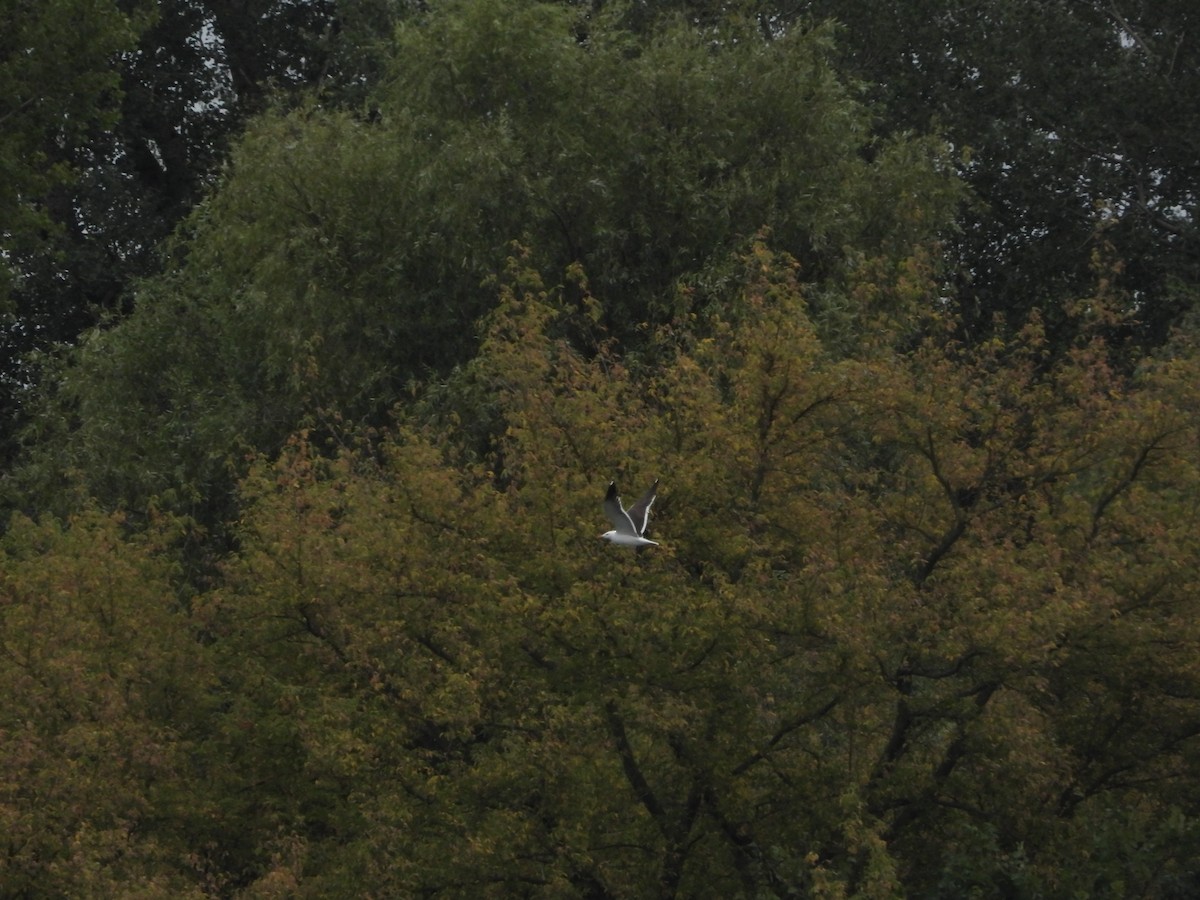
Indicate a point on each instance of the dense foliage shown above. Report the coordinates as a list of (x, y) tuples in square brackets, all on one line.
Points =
[(116, 116), (343, 259), (921, 621), (301, 590)]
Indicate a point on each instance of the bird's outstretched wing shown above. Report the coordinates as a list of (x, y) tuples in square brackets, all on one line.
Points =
[(616, 512), (639, 513)]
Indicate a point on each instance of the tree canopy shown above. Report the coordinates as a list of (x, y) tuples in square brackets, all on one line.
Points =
[(1081, 131), (342, 259), (301, 585), (920, 622), (117, 118)]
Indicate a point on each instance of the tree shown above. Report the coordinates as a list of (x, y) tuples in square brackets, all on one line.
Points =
[(135, 756), (143, 132), (342, 258), (103, 691), (920, 621), (57, 84), (1080, 133)]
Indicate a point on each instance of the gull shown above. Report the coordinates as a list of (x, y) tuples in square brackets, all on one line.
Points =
[(629, 525)]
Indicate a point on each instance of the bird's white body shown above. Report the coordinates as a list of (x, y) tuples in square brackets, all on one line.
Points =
[(628, 540), (629, 526)]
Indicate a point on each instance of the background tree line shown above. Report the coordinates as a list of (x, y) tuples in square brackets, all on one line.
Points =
[(327, 324)]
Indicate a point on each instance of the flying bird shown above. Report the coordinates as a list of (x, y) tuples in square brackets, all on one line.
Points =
[(629, 526)]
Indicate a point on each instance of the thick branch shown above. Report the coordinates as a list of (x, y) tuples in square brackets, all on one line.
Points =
[(950, 760), (792, 724), (633, 773), (956, 530), (1123, 484)]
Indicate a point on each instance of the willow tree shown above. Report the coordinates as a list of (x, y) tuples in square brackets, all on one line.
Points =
[(343, 256)]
